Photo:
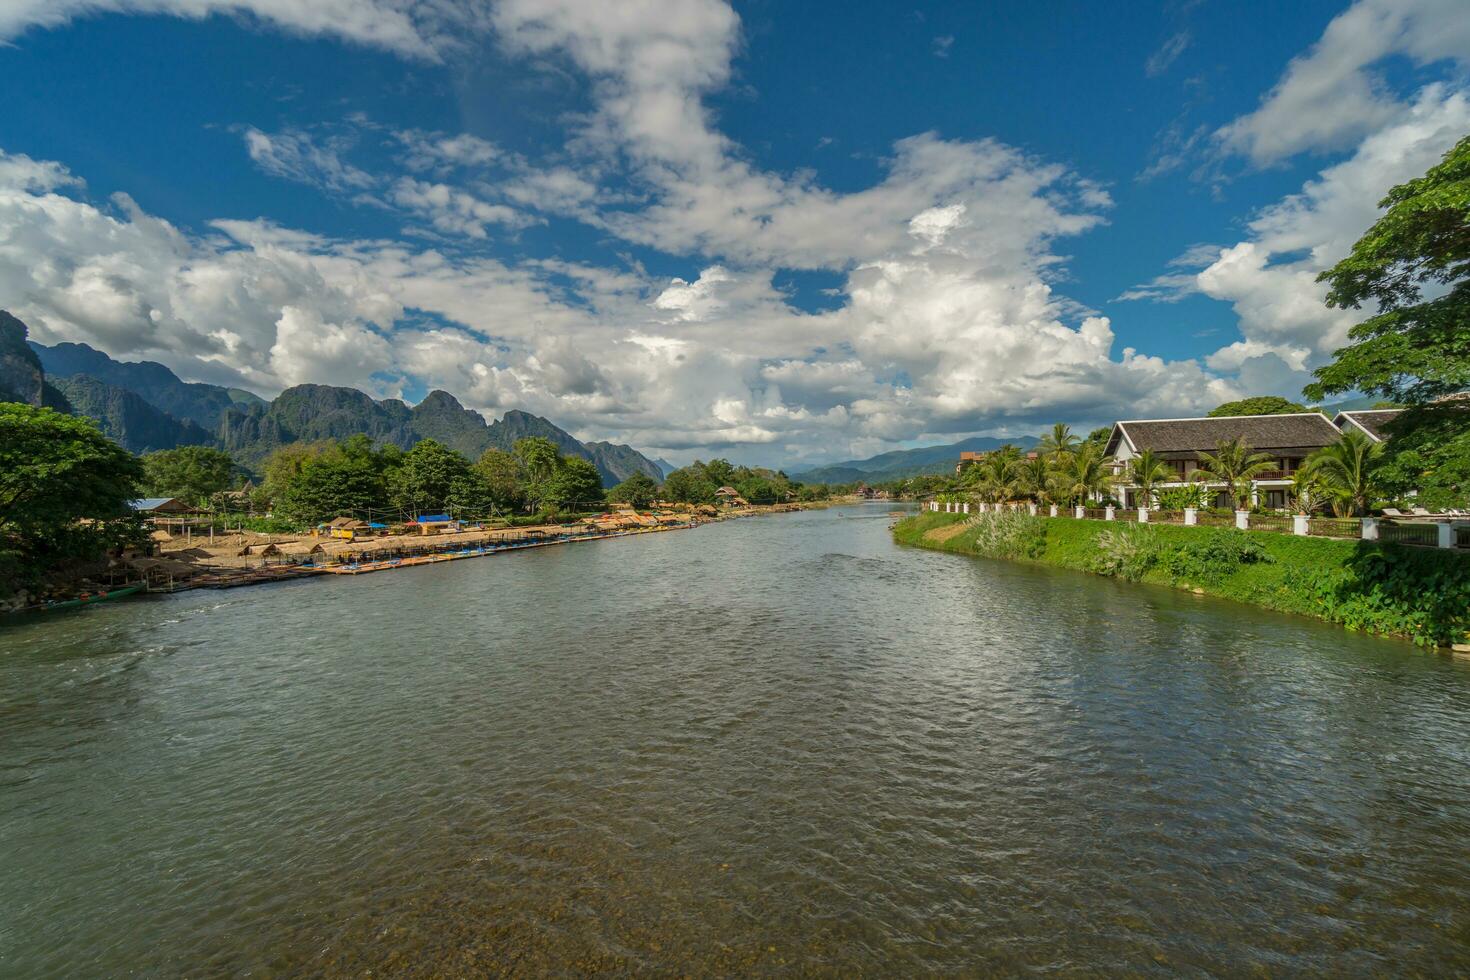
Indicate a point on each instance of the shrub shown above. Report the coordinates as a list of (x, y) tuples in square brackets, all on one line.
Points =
[(1127, 551), (1009, 534), (1213, 555)]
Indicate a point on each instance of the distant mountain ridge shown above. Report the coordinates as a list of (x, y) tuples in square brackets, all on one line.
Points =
[(900, 463), (144, 406)]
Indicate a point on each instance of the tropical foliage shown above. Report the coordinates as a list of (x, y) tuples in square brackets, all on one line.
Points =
[(1234, 464), (1346, 473), (64, 489)]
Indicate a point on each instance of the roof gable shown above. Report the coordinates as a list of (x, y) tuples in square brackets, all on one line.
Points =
[(1371, 422)]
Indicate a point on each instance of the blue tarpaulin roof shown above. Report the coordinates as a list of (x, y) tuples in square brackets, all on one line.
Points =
[(435, 519), (149, 503)]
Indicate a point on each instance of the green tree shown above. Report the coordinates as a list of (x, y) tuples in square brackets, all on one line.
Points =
[(423, 481), (998, 475), (1348, 473), (690, 485), (55, 471), (1413, 350), (1081, 474), (1146, 471), (192, 473), (1235, 465), (1260, 405), (720, 472), (341, 481), (638, 490), (1058, 441), (576, 484), (1036, 478), (504, 478)]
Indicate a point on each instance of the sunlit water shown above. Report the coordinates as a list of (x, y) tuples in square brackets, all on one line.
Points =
[(773, 745)]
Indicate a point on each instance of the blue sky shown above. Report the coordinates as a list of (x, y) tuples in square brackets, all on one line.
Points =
[(778, 232)]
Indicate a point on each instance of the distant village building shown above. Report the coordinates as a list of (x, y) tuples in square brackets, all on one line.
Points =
[(162, 506), (730, 497)]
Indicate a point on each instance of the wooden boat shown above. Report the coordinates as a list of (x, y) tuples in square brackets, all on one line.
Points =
[(89, 599)]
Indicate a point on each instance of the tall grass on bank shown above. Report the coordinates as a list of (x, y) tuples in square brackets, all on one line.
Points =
[(1419, 593)]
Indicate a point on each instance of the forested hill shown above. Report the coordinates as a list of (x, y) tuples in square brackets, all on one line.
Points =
[(900, 463), (143, 406)]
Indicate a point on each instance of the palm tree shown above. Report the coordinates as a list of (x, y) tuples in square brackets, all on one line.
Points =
[(1000, 475), (1058, 441), (1081, 473), (1036, 478), (1307, 490), (1146, 471), (1348, 471), (1235, 465)]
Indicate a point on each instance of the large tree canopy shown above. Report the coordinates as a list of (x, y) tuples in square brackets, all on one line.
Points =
[(1260, 405), (1413, 350), (192, 473), (56, 471)]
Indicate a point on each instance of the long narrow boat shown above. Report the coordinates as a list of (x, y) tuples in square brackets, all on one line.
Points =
[(89, 599)]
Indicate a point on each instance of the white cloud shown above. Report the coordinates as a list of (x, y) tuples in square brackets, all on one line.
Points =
[(1330, 97), (950, 320), (296, 155), (412, 28)]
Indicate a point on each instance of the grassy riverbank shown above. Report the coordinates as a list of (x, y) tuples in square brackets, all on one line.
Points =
[(1419, 593)]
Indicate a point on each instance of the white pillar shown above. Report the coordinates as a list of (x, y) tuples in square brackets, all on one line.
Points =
[(1243, 519), (1191, 516), (1143, 515), (1108, 514), (1299, 524), (1370, 529), (1032, 509), (1079, 512), (967, 508), (1446, 535), (1053, 510)]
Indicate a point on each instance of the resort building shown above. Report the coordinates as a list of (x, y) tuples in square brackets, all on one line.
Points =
[(1370, 423), (1287, 439)]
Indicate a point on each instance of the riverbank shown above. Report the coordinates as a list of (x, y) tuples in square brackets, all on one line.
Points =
[(1417, 593), (222, 561)]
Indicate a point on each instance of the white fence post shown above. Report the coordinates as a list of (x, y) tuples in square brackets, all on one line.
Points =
[(1143, 515), (1079, 512), (1446, 535), (1032, 509), (1243, 519), (1053, 510), (1191, 516), (1370, 529), (967, 508), (1299, 525), (1108, 512)]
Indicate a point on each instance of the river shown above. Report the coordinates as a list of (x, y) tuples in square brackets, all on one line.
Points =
[(772, 745)]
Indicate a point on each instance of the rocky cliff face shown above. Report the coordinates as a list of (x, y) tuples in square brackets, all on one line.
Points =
[(125, 418), (202, 404), (22, 378)]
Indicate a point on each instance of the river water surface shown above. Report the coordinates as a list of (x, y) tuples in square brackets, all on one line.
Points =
[(779, 745)]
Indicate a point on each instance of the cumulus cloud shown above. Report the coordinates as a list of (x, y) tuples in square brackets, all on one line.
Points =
[(1270, 278), (1330, 96), (420, 29), (950, 320)]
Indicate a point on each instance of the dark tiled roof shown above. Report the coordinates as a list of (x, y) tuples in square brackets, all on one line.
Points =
[(1307, 431), (1372, 421)]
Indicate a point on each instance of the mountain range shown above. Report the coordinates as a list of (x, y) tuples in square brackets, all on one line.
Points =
[(900, 463), (144, 406)]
